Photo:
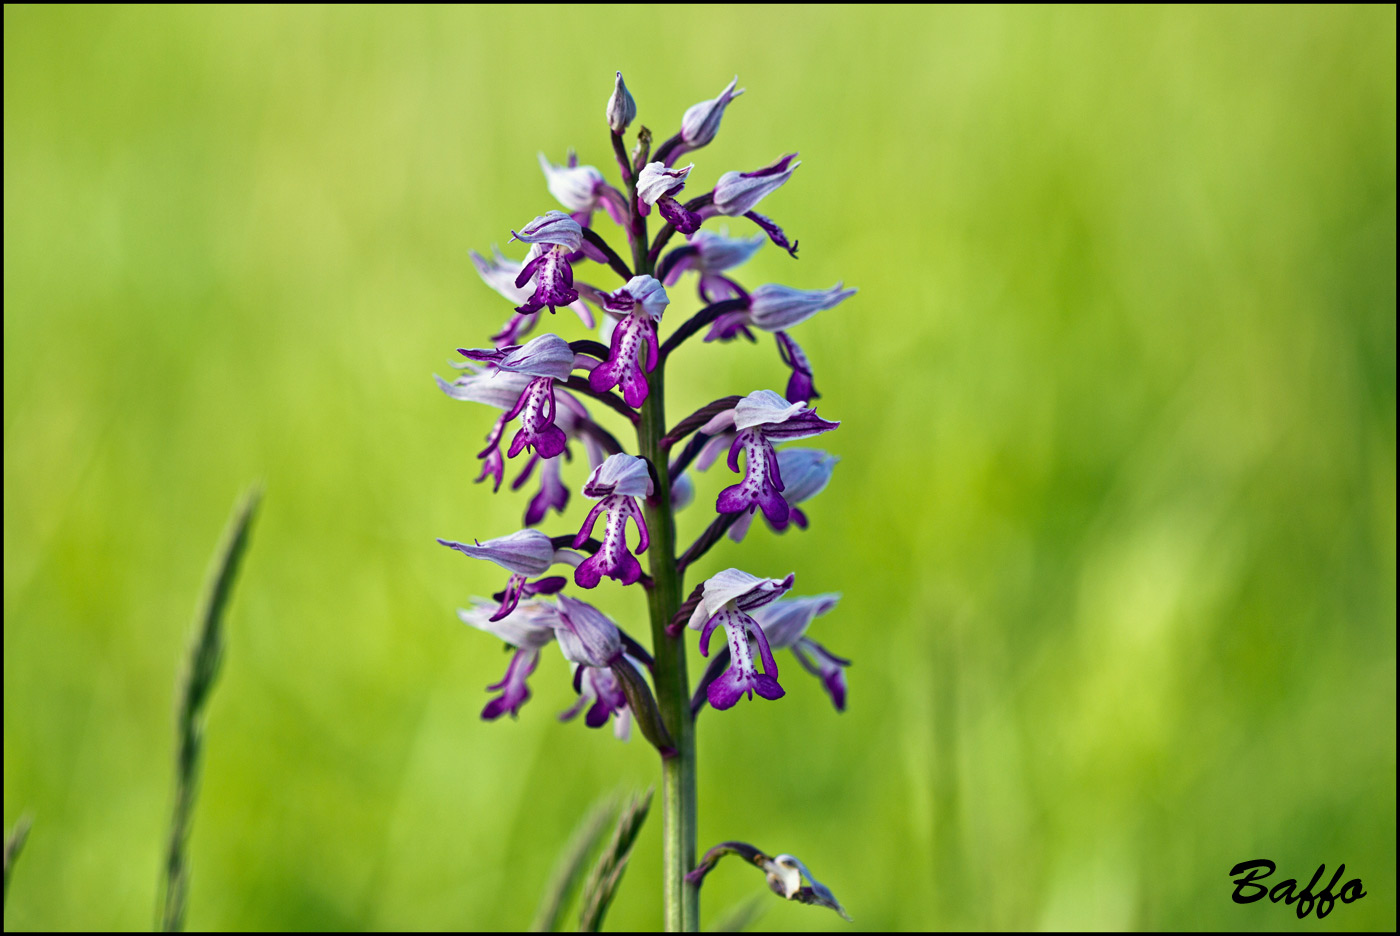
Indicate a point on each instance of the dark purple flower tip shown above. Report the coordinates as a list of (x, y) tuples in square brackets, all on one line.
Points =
[(774, 232), (687, 222)]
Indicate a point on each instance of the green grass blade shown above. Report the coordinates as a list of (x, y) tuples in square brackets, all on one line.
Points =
[(607, 873), (14, 844), (201, 671), (569, 870)]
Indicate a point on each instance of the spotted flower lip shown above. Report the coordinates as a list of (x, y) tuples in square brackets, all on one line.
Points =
[(618, 482), (642, 300), (643, 294), (738, 193), (700, 122), (500, 272), (725, 601), (622, 109), (545, 356)]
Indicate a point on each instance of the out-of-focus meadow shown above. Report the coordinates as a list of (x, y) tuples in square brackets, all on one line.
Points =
[(1114, 520)]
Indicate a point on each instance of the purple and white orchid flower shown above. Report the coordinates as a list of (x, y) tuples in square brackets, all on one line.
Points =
[(557, 236), (600, 693), (642, 301), (785, 623), (759, 420), (499, 272), (726, 600), (582, 190), (524, 555), (616, 484), (547, 358), (805, 473), (659, 186), (737, 193), (528, 629)]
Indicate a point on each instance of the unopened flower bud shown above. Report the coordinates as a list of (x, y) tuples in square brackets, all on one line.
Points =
[(621, 108)]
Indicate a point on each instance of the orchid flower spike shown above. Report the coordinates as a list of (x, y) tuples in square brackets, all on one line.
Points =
[(759, 420), (555, 236), (500, 274), (786, 622), (805, 473), (528, 628), (726, 600), (524, 555), (616, 485), (642, 301)]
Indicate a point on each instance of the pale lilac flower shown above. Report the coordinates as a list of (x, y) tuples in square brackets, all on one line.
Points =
[(726, 600), (524, 555), (805, 473), (682, 491), (582, 189), (622, 110), (659, 186), (500, 274), (759, 420), (642, 301), (710, 255), (737, 193), (616, 485), (558, 236), (547, 358), (528, 628), (700, 122), (785, 623), (774, 309)]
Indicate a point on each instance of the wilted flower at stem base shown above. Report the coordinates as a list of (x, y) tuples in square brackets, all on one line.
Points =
[(784, 874)]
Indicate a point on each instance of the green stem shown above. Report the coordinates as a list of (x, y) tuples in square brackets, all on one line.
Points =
[(681, 901)]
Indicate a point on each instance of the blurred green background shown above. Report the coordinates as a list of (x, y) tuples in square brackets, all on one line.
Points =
[(1114, 521)]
